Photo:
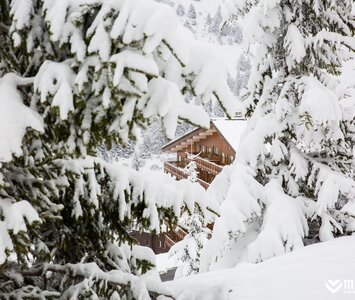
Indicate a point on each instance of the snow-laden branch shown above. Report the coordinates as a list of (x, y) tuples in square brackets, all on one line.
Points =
[(15, 117), (144, 287)]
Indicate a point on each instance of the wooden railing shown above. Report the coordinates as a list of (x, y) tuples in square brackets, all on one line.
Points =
[(179, 173), (168, 242), (174, 171), (206, 165), (173, 237)]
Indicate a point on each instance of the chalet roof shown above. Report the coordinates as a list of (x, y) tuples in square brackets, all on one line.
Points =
[(230, 129)]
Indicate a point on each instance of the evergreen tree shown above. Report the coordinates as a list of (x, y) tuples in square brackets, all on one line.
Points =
[(217, 111), (180, 10), (191, 12), (76, 77), (294, 165), (188, 251), (153, 140), (191, 171), (208, 21), (216, 21), (117, 151)]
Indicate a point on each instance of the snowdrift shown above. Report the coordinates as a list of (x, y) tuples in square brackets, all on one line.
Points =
[(318, 272)]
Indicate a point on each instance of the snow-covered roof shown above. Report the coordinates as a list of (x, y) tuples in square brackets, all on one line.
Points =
[(231, 130)]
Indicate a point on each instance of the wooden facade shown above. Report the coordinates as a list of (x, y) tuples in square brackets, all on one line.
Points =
[(213, 147), (159, 243)]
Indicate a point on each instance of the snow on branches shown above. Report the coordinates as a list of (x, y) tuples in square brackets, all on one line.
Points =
[(91, 73), (15, 117), (126, 46), (296, 159)]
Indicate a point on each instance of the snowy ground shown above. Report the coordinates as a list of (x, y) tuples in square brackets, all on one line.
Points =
[(318, 272)]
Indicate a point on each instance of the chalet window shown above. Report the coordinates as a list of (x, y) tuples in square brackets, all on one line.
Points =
[(203, 149), (209, 150), (179, 158), (215, 150), (223, 158), (232, 158)]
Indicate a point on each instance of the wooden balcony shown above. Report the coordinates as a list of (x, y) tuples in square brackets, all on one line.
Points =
[(172, 168), (172, 237), (208, 166)]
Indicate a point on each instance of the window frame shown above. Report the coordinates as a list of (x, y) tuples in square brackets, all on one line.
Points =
[(215, 150)]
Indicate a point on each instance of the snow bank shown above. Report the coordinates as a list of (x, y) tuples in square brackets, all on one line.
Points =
[(320, 272), (164, 262)]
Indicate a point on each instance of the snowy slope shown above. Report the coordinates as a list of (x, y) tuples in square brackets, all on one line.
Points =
[(322, 271)]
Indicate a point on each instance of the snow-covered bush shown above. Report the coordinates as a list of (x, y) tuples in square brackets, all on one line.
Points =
[(79, 74), (294, 166)]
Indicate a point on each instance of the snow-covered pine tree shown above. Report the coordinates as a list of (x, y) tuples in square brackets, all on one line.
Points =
[(76, 75), (180, 10), (117, 152), (295, 163), (208, 22), (217, 111), (153, 140), (216, 22), (191, 171), (188, 251), (191, 12)]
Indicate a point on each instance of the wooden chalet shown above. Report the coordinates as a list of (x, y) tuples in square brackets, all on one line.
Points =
[(216, 147)]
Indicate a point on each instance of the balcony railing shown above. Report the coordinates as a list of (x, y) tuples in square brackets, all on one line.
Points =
[(208, 166), (178, 173), (171, 168)]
